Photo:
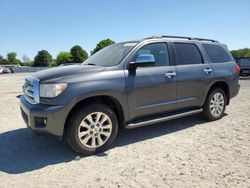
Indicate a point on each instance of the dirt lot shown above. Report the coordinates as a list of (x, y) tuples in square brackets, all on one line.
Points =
[(188, 152)]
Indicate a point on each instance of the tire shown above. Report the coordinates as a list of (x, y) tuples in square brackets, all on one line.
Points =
[(215, 104), (87, 134)]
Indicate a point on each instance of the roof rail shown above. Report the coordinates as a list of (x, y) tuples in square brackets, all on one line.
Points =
[(181, 37)]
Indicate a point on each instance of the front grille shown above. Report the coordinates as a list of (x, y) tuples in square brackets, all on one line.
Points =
[(31, 90)]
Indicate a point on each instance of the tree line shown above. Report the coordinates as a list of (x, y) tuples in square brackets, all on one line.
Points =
[(76, 55), (43, 58), (245, 52)]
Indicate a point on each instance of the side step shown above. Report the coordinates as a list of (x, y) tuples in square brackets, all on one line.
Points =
[(162, 119)]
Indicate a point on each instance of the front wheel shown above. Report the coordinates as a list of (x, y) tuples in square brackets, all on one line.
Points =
[(215, 104), (92, 129)]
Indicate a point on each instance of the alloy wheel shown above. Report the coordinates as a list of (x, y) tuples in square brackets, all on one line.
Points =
[(217, 103), (95, 130)]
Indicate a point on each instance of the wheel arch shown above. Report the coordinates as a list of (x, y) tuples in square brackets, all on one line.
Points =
[(223, 85), (100, 99)]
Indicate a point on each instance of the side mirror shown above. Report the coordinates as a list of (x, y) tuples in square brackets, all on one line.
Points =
[(143, 60)]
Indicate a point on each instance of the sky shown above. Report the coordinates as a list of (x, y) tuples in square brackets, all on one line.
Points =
[(27, 26)]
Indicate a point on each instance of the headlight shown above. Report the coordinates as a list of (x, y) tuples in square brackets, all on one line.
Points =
[(52, 90)]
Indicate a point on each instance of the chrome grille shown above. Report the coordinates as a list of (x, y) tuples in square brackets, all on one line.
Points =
[(31, 90)]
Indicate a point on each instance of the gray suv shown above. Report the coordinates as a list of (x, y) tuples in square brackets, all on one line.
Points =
[(130, 84)]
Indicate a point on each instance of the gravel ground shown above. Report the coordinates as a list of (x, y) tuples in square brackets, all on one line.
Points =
[(187, 152)]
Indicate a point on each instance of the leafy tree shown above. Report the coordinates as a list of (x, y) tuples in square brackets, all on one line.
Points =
[(102, 44), (63, 58), (3, 61), (17, 62), (11, 57), (245, 52), (78, 54), (42, 59), (30, 63)]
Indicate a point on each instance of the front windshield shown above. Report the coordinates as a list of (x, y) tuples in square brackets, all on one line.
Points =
[(110, 56)]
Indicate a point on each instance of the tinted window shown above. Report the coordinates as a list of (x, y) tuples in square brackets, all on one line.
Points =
[(245, 62), (159, 50), (188, 54), (217, 54)]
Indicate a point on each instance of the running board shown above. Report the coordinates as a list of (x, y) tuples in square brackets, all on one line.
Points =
[(162, 119)]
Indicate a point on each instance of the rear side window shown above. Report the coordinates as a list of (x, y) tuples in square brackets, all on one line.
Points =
[(217, 54), (188, 54)]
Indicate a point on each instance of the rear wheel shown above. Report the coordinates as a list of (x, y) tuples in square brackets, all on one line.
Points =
[(92, 129), (215, 105)]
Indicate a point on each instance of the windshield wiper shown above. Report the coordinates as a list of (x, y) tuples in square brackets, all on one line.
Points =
[(91, 64)]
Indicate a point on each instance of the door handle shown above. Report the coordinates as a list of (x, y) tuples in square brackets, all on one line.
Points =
[(170, 74), (208, 70)]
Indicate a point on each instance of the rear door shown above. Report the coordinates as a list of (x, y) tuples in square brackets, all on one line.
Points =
[(193, 75), (223, 64)]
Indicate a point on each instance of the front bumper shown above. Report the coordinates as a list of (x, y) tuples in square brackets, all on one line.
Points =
[(54, 116)]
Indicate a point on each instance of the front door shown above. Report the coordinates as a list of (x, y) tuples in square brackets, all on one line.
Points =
[(152, 90)]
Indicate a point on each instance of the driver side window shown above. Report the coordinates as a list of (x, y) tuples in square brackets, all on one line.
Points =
[(160, 52)]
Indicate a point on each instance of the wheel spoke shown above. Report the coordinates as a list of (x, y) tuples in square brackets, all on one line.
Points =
[(214, 97), (83, 133), (105, 118), (93, 143), (217, 97), (213, 110), (220, 108), (85, 140), (90, 119), (98, 116), (221, 100), (107, 126), (107, 134), (221, 104), (100, 141), (84, 125), (217, 111)]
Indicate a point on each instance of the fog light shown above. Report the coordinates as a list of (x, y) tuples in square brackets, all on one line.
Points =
[(40, 122)]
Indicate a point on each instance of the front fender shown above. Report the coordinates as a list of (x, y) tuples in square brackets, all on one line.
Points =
[(110, 83)]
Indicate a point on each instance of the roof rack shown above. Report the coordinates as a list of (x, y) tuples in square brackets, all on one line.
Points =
[(181, 37)]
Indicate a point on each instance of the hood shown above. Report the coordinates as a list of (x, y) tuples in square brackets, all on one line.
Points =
[(65, 71)]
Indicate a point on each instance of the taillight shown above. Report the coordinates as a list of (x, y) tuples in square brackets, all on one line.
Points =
[(237, 68)]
